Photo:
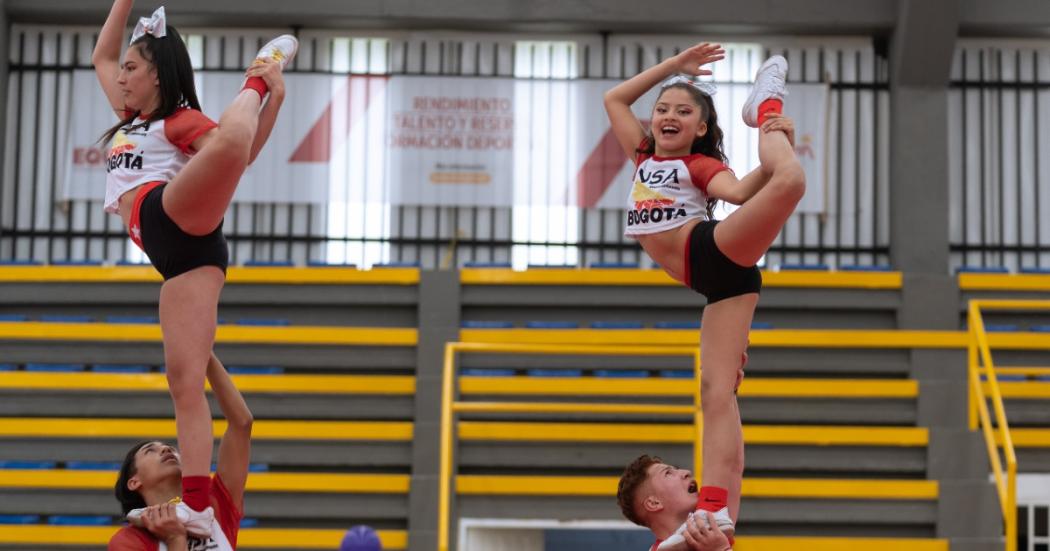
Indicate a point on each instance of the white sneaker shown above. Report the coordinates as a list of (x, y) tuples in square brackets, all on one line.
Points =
[(281, 49), (769, 84), (676, 541), (197, 523)]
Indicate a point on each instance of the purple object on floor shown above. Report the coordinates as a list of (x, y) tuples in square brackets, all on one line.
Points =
[(361, 538)]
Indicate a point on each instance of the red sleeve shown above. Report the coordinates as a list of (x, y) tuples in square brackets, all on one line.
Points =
[(185, 126), (227, 512), (702, 168), (638, 156), (132, 539)]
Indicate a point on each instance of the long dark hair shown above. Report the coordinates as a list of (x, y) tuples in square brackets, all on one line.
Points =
[(128, 499), (710, 144), (171, 60)]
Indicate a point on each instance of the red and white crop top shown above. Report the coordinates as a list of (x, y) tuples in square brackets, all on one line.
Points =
[(669, 191), (151, 152)]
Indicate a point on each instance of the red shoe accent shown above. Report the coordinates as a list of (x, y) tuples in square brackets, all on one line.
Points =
[(257, 84), (769, 106)]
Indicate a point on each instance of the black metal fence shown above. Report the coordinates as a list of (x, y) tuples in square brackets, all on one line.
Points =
[(37, 223), (998, 123)]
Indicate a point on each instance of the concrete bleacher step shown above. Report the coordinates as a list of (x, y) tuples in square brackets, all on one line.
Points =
[(19, 519), (861, 299), (270, 335), (495, 431), (860, 401), (311, 498), (14, 317), (128, 391), (120, 368), (284, 444), (1025, 401), (765, 400), (66, 318), (77, 538), (1032, 448), (517, 431), (817, 451), (54, 368), (80, 520), (867, 440), (93, 465), (247, 383), (827, 363), (813, 388), (982, 270), (285, 482), (279, 539), (801, 352), (801, 488), (132, 319), (66, 427), (798, 506), (330, 496), (314, 445), (27, 465)]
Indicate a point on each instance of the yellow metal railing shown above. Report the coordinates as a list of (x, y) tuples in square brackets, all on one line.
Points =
[(980, 359), (450, 406)]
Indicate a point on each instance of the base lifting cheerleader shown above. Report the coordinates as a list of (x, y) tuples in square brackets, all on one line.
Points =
[(149, 486)]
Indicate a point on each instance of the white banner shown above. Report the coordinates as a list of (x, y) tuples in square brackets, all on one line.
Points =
[(427, 140), (271, 178), (450, 141), (808, 105)]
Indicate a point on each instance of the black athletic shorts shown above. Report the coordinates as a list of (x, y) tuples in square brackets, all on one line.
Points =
[(172, 251), (712, 273)]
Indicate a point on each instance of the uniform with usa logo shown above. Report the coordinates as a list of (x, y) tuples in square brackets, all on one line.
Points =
[(669, 191)]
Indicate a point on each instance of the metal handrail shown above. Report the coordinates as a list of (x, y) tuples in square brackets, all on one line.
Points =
[(449, 406), (979, 357)]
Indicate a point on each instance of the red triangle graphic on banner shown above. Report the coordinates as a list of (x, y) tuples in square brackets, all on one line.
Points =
[(598, 171), (327, 133)]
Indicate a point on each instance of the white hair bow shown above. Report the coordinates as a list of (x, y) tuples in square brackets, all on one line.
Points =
[(155, 25), (708, 88)]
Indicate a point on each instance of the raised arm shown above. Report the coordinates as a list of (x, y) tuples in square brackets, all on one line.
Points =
[(270, 71), (106, 57), (725, 186), (628, 130), (236, 445)]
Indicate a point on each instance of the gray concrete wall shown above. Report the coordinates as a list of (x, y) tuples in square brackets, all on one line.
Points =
[(4, 24), (834, 17), (438, 324)]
